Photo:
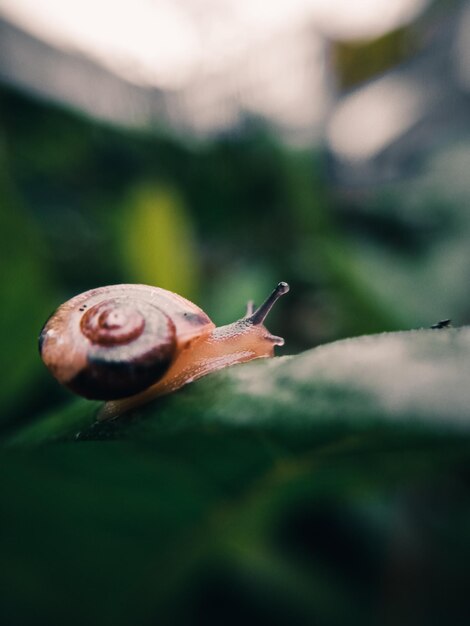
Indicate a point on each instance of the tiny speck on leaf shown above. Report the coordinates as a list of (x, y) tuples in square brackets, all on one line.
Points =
[(442, 324)]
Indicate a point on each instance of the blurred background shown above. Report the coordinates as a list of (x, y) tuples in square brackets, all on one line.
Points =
[(216, 147)]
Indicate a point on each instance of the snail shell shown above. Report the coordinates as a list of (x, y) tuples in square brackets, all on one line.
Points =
[(115, 341)]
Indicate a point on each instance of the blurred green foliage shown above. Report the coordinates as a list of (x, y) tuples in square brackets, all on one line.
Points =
[(27, 290), (356, 62), (219, 222), (158, 244)]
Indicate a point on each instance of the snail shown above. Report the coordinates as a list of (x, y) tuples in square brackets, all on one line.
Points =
[(128, 344)]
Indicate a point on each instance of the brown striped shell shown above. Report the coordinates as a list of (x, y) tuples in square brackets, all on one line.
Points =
[(115, 341)]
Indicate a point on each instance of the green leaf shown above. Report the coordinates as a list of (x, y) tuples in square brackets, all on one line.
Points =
[(412, 378), (298, 490)]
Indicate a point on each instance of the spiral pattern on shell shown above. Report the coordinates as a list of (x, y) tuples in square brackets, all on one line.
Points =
[(112, 323), (116, 341)]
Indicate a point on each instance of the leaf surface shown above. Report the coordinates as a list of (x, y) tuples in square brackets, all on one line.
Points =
[(298, 490)]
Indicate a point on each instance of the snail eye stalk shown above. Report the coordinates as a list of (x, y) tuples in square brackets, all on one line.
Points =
[(261, 312)]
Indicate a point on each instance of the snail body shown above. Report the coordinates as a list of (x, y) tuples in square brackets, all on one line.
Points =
[(128, 344)]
